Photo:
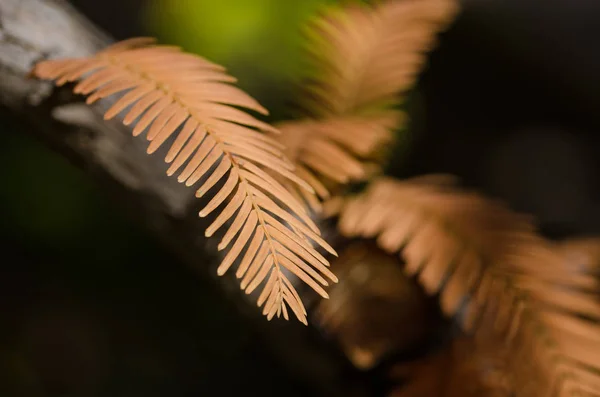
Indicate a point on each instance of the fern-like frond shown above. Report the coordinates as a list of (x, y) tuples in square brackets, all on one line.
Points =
[(363, 58), (367, 56), (335, 151), (169, 93), (487, 264)]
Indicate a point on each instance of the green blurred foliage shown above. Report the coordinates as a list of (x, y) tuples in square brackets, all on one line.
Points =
[(260, 41)]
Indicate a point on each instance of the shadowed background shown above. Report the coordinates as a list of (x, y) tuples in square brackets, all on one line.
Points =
[(94, 307)]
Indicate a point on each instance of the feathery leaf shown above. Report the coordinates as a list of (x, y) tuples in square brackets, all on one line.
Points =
[(366, 56), (334, 151), (174, 94), (363, 59), (489, 267)]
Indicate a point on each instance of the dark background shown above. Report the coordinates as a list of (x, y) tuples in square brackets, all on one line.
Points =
[(94, 307)]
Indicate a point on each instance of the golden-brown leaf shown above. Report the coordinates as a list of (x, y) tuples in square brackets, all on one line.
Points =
[(334, 151), (366, 56), (363, 58), (489, 267), (582, 254), (169, 93)]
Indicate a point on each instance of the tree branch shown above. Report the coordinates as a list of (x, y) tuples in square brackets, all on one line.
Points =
[(31, 30)]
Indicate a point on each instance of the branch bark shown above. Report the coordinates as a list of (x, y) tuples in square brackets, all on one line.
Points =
[(32, 30)]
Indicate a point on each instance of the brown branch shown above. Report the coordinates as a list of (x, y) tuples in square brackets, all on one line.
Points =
[(32, 30)]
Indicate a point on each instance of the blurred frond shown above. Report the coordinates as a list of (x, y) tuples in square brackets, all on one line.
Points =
[(582, 253), (335, 151), (506, 285), (187, 97), (366, 57), (363, 59)]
